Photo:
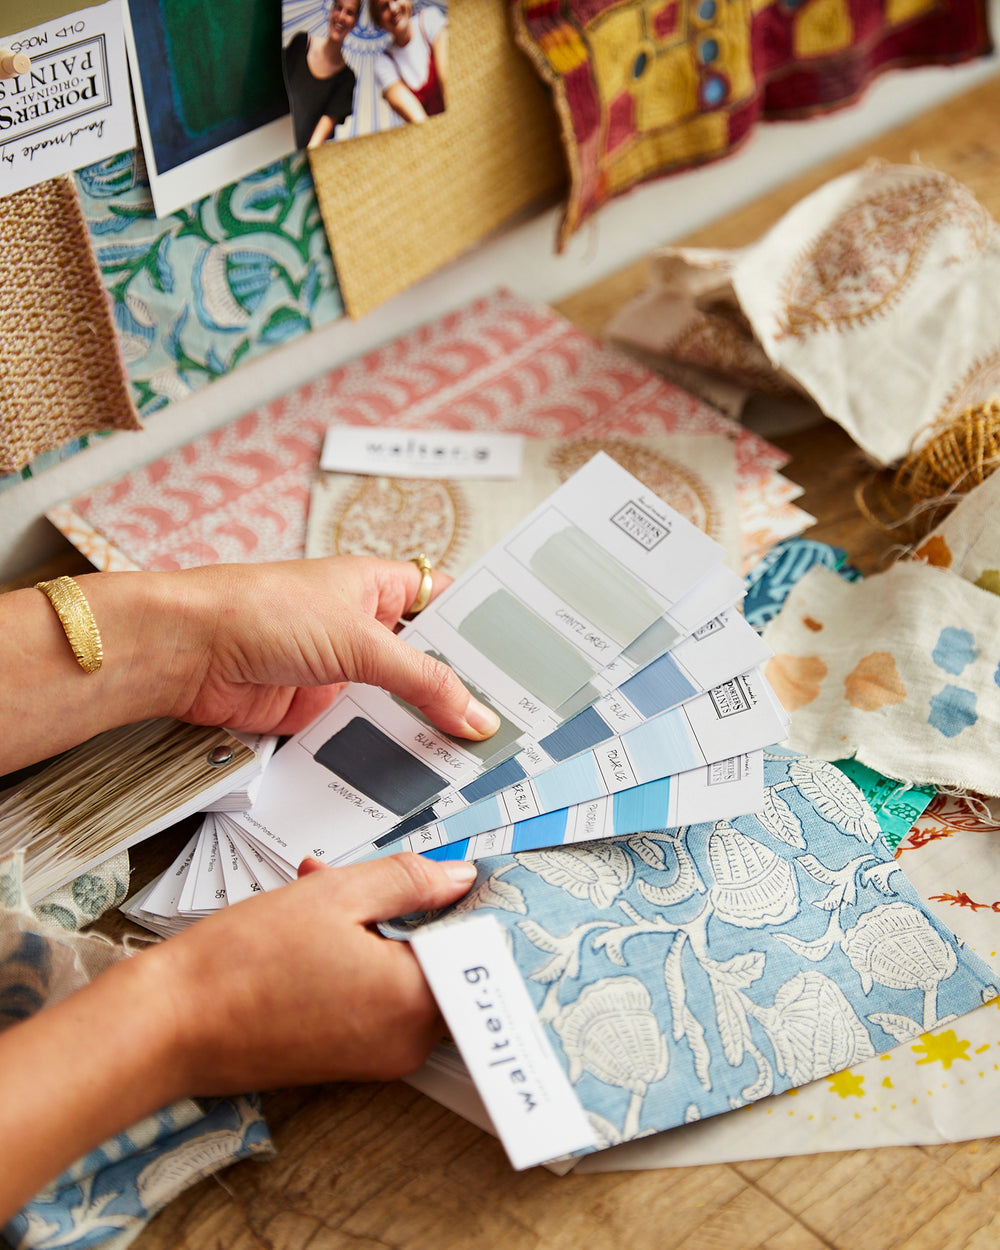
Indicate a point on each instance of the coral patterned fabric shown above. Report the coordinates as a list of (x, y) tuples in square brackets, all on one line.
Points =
[(644, 89), (242, 492)]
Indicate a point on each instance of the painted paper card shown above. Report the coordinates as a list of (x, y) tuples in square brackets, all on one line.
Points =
[(719, 791), (683, 973), (716, 655), (531, 627), (73, 104), (901, 670), (740, 715)]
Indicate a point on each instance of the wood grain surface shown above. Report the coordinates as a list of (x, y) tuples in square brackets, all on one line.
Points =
[(383, 1166)]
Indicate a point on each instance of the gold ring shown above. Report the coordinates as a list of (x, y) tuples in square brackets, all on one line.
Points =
[(426, 586)]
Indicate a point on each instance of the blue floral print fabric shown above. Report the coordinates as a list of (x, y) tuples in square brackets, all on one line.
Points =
[(685, 972), (196, 293), (771, 579)]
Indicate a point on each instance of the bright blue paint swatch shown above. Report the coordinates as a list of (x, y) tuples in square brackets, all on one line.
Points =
[(952, 710), (548, 829), (660, 747), (658, 687), (643, 807), (451, 850), (955, 650)]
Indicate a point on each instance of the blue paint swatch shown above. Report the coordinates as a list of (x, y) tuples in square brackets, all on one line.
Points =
[(508, 773), (643, 807), (658, 686), (661, 746), (567, 782), (584, 731), (539, 832)]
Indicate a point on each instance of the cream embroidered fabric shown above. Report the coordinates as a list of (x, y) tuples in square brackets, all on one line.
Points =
[(60, 372), (689, 326), (880, 294)]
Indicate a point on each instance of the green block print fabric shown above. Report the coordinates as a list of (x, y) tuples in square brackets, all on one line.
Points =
[(685, 972), (220, 282)]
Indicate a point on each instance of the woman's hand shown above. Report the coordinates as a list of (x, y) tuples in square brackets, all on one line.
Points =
[(296, 986), (286, 636), (289, 987), (260, 647)]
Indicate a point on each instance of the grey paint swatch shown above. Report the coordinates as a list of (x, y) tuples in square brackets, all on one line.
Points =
[(368, 760), (593, 582), (522, 645)]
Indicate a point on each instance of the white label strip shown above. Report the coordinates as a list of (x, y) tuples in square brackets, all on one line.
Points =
[(491, 1017), (422, 453)]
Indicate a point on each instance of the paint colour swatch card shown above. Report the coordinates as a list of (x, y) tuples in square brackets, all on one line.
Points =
[(530, 628), (721, 650), (740, 715), (730, 787)]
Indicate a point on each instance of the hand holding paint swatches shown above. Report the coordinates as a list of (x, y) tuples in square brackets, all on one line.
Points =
[(602, 631), (529, 628)]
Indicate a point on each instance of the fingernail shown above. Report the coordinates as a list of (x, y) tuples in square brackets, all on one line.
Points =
[(481, 718), (461, 871)]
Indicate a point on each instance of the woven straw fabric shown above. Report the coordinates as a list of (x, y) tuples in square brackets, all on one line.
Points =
[(400, 204), (61, 375)]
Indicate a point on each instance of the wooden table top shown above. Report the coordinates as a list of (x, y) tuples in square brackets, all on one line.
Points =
[(381, 1165)]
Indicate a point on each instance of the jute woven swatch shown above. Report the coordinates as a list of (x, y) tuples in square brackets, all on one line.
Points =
[(400, 204), (61, 376)]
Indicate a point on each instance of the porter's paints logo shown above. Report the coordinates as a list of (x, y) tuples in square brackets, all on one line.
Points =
[(647, 530), (60, 87), (731, 698)]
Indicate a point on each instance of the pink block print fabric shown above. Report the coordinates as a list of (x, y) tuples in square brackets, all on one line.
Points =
[(242, 492)]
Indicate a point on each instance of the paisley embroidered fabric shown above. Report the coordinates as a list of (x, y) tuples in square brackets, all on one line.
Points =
[(683, 973)]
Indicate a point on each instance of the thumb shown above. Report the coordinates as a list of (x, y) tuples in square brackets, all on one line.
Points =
[(381, 889)]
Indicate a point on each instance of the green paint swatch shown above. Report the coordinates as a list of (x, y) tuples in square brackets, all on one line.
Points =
[(522, 645), (652, 643), (593, 582)]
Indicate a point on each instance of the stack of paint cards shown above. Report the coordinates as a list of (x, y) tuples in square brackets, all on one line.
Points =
[(604, 631)]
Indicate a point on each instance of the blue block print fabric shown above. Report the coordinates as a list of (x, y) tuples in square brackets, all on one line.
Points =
[(196, 293), (769, 581), (685, 972)]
